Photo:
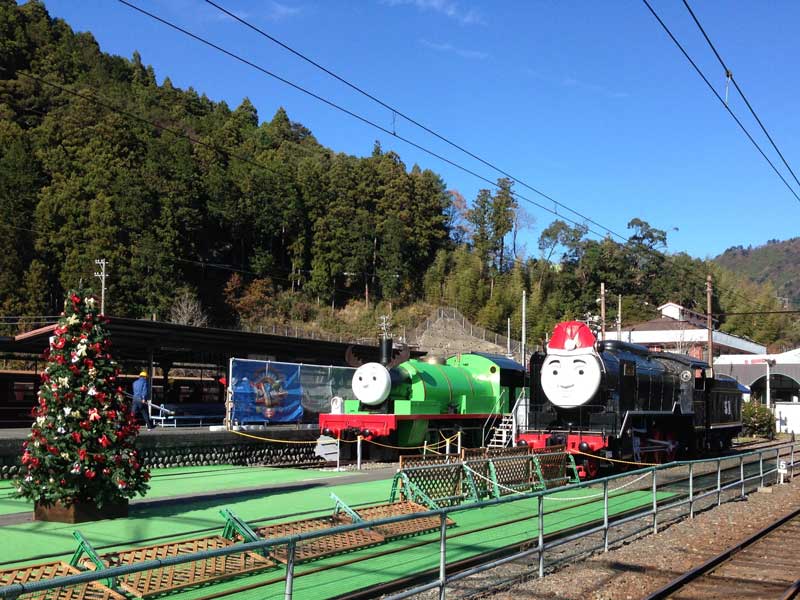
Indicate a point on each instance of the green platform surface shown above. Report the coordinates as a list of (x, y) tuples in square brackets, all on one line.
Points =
[(191, 480), (477, 531)]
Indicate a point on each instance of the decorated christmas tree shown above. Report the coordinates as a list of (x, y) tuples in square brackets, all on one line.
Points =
[(81, 446)]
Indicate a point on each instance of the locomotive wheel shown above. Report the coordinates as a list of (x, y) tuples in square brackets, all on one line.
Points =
[(666, 454)]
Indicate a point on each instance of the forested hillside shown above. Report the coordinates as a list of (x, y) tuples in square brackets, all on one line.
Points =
[(777, 263), (208, 214)]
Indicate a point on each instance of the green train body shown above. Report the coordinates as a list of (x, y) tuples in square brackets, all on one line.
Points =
[(402, 404)]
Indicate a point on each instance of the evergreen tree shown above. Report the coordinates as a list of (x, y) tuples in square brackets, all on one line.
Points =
[(81, 445)]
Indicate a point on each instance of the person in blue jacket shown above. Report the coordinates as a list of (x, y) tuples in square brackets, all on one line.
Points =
[(140, 399)]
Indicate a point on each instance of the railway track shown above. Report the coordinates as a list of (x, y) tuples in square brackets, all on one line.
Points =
[(766, 565)]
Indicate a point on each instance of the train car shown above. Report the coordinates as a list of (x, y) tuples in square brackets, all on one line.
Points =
[(617, 400), (185, 394), (401, 405)]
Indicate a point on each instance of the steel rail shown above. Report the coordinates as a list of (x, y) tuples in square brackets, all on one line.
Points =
[(711, 564)]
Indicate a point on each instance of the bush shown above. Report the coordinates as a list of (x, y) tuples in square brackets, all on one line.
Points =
[(758, 420)]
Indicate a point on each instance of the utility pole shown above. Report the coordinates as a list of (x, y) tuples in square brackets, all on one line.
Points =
[(524, 311), (602, 311), (619, 317), (102, 275), (709, 323)]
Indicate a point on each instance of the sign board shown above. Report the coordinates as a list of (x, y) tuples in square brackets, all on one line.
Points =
[(279, 392), (327, 447)]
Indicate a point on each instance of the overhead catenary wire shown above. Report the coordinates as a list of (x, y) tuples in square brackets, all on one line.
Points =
[(355, 115), (233, 155), (227, 152), (397, 112), (393, 133), (729, 74), (721, 100)]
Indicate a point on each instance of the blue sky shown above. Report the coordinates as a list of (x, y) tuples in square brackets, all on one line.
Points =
[(588, 102)]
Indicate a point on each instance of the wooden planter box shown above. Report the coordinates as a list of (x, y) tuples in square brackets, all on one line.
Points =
[(79, 512)]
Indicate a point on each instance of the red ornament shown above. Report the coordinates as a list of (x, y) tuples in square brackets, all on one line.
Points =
[(76, 436), (104, 441), (90, 474), (111, 414)]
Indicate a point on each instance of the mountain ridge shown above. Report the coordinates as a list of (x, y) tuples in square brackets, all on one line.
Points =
[(777, 262)]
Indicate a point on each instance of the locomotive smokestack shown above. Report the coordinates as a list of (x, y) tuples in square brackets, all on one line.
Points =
[(385, 350)]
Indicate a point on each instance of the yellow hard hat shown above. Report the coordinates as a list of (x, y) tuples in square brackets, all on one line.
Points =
[(143, 374)]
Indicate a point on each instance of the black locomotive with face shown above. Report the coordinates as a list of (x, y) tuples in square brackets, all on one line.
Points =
[(618, 400)]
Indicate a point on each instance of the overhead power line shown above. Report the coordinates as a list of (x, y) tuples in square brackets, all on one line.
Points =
[(758, 312), (233, 155), (359, 117), (729, 74), (721, 100), (404, 115), (383, 129)]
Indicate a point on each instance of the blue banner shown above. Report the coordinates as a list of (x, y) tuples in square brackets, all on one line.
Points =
[(277, 392)]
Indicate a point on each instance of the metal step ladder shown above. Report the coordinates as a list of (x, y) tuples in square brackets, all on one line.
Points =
[(503, 434)]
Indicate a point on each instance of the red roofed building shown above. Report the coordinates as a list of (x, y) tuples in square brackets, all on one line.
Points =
[(683, 331)]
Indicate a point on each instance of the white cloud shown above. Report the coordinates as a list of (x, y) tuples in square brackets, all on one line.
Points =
[(277, 11), (448, 8), (449, 48), (571, 82)]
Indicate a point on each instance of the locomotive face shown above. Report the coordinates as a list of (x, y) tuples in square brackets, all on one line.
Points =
[(570, 380), (371, 383)]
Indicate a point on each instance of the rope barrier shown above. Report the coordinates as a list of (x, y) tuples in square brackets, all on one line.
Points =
[(614, 460), (431, 447), (265, 439), (598, 495)]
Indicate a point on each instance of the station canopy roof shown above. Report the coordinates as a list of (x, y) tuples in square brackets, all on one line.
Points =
[(169, 343)]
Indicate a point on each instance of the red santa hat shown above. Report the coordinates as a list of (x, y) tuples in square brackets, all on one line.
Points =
[(571, 337)]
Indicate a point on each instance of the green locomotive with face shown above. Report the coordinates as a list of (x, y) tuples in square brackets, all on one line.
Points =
[(409, 403)]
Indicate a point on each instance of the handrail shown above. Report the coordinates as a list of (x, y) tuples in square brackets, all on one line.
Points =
[(493, 415)]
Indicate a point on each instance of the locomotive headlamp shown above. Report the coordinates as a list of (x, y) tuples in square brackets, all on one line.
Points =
[(371, 383)]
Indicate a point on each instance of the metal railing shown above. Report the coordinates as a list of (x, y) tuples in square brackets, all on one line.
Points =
[(451, 314), (653, 510)]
